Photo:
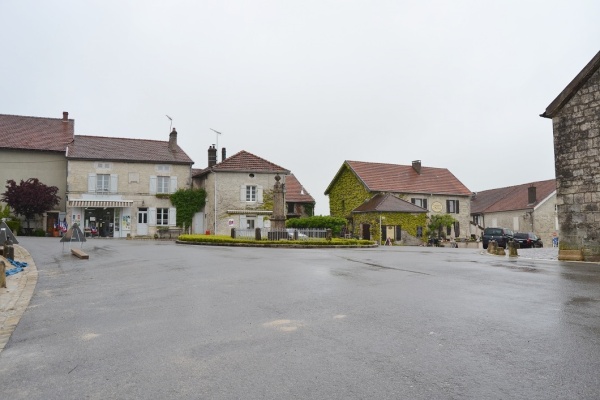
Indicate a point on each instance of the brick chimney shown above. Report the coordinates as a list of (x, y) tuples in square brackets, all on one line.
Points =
[(65, 116), (417, 166), (212, 155), (223, 154), (173, 140), (531, 194)]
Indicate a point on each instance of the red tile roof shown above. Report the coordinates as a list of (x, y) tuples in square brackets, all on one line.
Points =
[(511, 198), (386, 202), (378, 177), (35, 133), (295, 192), (244, 161), (122, 149)]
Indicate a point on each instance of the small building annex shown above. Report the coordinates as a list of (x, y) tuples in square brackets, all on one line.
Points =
[(529, 207)]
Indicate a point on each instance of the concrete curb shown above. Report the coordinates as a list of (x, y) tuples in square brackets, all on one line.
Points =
[(15, 298)]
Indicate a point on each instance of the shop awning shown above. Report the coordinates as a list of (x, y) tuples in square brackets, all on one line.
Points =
[(100, 203), (252, 212)]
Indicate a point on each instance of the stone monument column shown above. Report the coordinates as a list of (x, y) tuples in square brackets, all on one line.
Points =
[(278, 217)]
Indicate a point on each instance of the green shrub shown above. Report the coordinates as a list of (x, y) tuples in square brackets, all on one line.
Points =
[(215, 239), (39, 233), (14, 225)]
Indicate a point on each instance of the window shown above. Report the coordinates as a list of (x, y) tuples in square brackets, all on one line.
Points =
[(162, 216), (163, 168), (290, 208), (250, 193), (476, 219), (419, 202), (250, 223), (162, 184), (452, 206), (102, 165), (102, 183)]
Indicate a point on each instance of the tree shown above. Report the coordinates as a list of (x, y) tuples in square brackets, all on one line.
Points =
[(188, 202), (437, 222), (30, 197)]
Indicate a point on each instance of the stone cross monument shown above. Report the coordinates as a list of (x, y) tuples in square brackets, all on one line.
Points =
[(278, 217)]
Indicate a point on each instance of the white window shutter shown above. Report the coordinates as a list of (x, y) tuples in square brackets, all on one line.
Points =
[(152, 189), (243, 223), (172, 217), (243, 194), (91, 183), (260, 222), (152, 216), (173, 184), (114, 183), (259, 194)]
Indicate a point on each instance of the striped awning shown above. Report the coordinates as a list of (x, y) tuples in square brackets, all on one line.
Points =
[(252, 212), (100, 203)]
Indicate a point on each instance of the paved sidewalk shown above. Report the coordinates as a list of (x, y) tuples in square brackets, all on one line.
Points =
[(15, 298)]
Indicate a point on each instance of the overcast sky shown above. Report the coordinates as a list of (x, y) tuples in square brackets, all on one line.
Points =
[(308, 84)]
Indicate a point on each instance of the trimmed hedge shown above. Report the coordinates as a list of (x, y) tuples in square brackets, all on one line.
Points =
[(215, 239)]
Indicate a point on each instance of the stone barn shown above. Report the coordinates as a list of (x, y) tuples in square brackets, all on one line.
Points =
[(575, 115)]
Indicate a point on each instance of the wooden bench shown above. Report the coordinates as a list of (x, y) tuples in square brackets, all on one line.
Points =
[(79, 253)]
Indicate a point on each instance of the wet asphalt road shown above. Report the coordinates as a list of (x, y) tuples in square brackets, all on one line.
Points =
[(156, 320)]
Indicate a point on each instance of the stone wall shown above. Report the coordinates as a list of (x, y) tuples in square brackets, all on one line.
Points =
[(577, 161)]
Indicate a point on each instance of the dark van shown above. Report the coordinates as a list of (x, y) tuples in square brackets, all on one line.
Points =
[(500, 235)]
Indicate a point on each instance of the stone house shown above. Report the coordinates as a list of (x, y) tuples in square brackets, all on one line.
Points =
[(237, 192), (575, 115), (435, 190), (119, 187), (529, 207), (34, 147), (299, 203)]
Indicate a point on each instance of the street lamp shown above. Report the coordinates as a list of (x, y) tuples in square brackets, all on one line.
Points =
[(215, 172)]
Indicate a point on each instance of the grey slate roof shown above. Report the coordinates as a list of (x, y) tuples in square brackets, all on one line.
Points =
[(123, 149)]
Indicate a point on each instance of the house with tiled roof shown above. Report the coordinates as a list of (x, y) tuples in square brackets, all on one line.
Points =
[(394, 215), (119, 187), (238, 191), (529, 207), (299, 203), (34, 147), (575, 115), (436, 190)]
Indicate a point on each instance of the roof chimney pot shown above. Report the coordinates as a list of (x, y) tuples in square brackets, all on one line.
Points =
[(173, 140), (65, 116), (212, 155), (417, 166)]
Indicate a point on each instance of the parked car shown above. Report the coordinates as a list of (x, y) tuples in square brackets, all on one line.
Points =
[(501, 235), (293, 232), (528, 240)]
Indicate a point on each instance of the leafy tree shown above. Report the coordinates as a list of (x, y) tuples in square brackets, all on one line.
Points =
[(437, 222), (188, 202), (30, 197)]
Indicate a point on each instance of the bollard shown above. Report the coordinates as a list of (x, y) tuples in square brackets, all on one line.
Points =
[(257, 234), (500, 251), (233, 233), (2, 274), (512, 249), (9, 250), (492, 247)]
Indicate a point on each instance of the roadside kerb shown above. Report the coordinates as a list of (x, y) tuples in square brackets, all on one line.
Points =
[(15, 298)]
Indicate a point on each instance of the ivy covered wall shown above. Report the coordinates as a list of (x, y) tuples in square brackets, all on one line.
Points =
[(346, 194), (407, 222)]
